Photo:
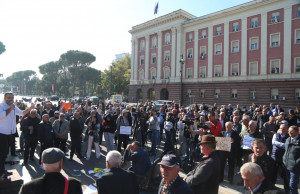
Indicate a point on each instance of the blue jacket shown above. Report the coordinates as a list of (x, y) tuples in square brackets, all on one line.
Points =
[(140, 161), (178, 187), (291, 157), (278, 146)]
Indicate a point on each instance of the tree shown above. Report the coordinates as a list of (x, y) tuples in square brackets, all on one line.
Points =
[(21, 79), (77, 60), (51, 72), (2, 48)]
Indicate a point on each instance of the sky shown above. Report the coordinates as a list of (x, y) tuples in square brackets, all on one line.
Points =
[(36, 32)]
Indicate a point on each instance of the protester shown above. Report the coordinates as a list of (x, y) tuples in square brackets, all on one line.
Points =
[(76, 129), (122, 138), (53, 181), (61, 128)]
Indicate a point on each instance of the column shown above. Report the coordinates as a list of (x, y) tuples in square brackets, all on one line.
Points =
[(135, 77), (132, 61), (287, 41), (173, 53), (178, 51), (147, 53), (210, 52), (196, 54), (159, 54), (244, 48), (226, 49), (263, 43)]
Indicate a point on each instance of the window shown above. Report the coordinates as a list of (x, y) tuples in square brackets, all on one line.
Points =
[(141, 74), (252, 93), (217, 93), (274, 40), (275, 17), (275, 64), (274, 94), (166, 72), (202, 93), (167, 39), (297, 93), (154, 42), (235, 27), (297, 36), (153, 58), (218, 49), (297, 65), (202, 52), (142, 60), (190, 53), (235, 69), (219, 30), (234, 93), (253, 68), (189, 73), (203, 34), (153, 73), (203, 72), (189, 92), (167, 56), (235, 46), (254, 22), (298, 12), (142, 45), (218, 70), (190, 37), (254, 43)]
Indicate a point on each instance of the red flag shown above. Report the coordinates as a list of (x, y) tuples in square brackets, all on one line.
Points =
[(52, 87)]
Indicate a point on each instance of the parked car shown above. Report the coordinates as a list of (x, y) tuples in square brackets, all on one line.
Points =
[(54, 98), (158, 103), (94, 99)]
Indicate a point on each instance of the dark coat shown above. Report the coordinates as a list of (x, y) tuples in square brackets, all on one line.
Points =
[(178, 187), (117, 181), (50, 183), (76, 128), (266, 163), (108, 126), (51, 113), (291, 157), (28, 121), (46, 134), (205, 177), (140, 161), (266, 188)]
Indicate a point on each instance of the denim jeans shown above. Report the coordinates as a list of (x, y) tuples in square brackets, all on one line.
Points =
[(109, 139), (154, 140), (187, 146), (294, 181)]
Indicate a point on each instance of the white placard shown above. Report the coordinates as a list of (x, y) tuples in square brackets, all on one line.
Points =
[(247, 142), (125, 130), (223, 143)]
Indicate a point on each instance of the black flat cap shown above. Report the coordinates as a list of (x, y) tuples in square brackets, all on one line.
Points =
[(52, 155)]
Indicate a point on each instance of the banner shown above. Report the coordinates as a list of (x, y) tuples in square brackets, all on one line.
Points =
[(223, 143), (52, 87), (66, 105)]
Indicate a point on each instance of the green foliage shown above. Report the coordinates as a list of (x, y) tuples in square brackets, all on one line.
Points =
[(2, 48), (21, 79)]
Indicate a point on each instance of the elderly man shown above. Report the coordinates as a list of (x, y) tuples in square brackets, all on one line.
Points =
[(76, 129), (48, 110), (171, 182), (278, 150), (139, 157), (205, 177), (116, 180), (30, 129), (53, 181), (291, 158), (269, 129), (122, 121), (61, 128), (254, 180)]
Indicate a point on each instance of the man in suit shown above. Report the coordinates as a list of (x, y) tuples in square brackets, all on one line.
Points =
[(53, 181), (255, 182), (116, 180)]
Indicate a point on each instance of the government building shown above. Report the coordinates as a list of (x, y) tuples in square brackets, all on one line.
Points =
[(243, 54)]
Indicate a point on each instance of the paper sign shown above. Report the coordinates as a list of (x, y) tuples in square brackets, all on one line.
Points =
[(247, 142), (223, 143), (125, 130), (66, 105)]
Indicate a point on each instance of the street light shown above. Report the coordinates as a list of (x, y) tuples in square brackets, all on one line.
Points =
[(181, 84)]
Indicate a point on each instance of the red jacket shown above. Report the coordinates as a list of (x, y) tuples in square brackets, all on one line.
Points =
[(216, 128)]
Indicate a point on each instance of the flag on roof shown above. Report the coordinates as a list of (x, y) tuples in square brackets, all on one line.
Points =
[(156, 8)]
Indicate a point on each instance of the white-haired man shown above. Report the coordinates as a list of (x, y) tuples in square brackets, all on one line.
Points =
[(116, 180), (254, 180)]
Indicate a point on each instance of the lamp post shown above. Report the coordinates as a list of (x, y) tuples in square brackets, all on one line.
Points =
[(181, 72), (111, 79)]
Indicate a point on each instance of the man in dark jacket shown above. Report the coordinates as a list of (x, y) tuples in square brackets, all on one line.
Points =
[(45, 134), (76, 129), (53, 181), (291, 158), (30, 129), (262, 119), (205, 177), (255, 182), (171, 183), (48, 110), (116, 180)]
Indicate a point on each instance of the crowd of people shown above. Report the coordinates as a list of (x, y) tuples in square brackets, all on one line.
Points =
[(264, 140)]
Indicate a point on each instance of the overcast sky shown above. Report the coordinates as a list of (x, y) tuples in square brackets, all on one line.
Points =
[(36, 32)]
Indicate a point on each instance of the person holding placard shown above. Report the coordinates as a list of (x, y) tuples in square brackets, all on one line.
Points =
[(123, 130)]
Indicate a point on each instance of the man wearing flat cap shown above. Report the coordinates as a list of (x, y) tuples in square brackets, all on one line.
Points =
[(205, 177), (53, 181), (171, 183)]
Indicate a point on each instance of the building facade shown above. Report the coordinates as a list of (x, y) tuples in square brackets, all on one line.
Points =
[(244, 54)]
